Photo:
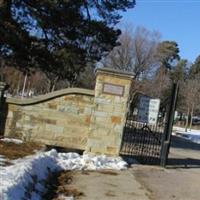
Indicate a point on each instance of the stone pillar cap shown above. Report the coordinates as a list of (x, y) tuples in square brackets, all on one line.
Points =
[(115, 72)]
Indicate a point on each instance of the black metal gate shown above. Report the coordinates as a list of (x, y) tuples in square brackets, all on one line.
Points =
[(141, 141), (145, 142)]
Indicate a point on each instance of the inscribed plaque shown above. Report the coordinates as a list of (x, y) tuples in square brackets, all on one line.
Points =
[(113, 89)]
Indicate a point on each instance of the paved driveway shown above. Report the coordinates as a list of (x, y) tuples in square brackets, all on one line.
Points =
[(180, 180)]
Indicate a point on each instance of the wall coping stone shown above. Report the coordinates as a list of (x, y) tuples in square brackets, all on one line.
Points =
[(115, 72), (49, 96)]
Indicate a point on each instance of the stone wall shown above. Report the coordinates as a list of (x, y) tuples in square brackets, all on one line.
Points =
[(74, 118), (60, 118), (110, 108)]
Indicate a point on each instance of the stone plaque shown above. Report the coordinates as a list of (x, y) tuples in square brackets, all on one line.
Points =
[(113, 89)]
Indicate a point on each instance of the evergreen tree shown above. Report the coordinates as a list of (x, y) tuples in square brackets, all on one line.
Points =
[(195, 68), (168, 54), (179, 73), (58, 36)]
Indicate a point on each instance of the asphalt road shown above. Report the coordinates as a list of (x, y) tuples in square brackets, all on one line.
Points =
[(180, 180)]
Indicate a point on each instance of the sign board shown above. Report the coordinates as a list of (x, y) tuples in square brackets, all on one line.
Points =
[(113, 89), (148, 110)]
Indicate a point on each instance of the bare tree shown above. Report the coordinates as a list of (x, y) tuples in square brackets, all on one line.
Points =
[(136, 52), (35, 81), (191, 93)]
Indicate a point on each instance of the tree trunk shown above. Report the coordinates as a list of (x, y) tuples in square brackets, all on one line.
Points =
[(18, 86), (24, 85), (192, 111), (187, 120), (53, 87), (53, 84)]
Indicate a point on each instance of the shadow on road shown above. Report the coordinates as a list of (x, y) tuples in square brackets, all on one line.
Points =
[(183, 163), (178, 142), (183, 154)]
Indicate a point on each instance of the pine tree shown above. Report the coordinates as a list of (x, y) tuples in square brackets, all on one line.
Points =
[(58, 36), (195, 68)]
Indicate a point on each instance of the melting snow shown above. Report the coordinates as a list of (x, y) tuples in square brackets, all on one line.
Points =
[(16, 141), (31, 171), (2, 160), (192, 135)]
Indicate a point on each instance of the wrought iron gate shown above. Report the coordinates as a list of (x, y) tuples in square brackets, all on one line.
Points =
[(142, 142), (146, 142)]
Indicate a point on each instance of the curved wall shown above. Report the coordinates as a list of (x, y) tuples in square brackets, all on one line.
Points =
[(60, 118)]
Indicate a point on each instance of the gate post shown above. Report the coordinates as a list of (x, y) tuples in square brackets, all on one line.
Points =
[(112, 93), (168, 126)]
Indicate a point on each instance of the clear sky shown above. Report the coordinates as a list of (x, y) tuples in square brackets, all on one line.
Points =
[(177, 20)]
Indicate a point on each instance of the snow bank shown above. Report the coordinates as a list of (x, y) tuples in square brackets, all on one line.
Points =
[(71, 161), (30, 173), (2, 160), (16, 141), (62, 197), (26, 173), (192, 135)]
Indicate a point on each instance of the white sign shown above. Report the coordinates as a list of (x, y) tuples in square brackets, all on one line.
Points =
[(148, 110)]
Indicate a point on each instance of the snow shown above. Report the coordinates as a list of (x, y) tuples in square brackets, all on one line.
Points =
[(71, 161), (16, 141), (29, 173), (62, 197), (2, 160), (192, 135)]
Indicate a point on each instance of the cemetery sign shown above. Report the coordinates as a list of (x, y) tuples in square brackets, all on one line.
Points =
[(148, 110)]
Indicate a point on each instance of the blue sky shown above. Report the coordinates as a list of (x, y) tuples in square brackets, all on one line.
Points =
[(177, 20)]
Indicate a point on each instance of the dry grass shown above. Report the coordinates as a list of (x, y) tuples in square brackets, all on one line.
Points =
[(13, 151), (61, 183), (108, 172)]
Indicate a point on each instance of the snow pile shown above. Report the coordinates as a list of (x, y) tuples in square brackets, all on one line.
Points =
[(71, 161), (2, 160), (192, 135), (29, 174), (16, 141), (62, 197)]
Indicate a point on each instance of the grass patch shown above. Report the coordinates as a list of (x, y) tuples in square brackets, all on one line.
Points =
[(61, 184), (13, 151)]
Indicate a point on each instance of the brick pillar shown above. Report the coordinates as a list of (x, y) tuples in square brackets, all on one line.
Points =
[(110, 108)]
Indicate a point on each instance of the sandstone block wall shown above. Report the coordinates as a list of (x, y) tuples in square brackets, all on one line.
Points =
[(60, 119), (110, 111)]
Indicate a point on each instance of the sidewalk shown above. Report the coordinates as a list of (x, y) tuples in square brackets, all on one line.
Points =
[(108, 185)]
